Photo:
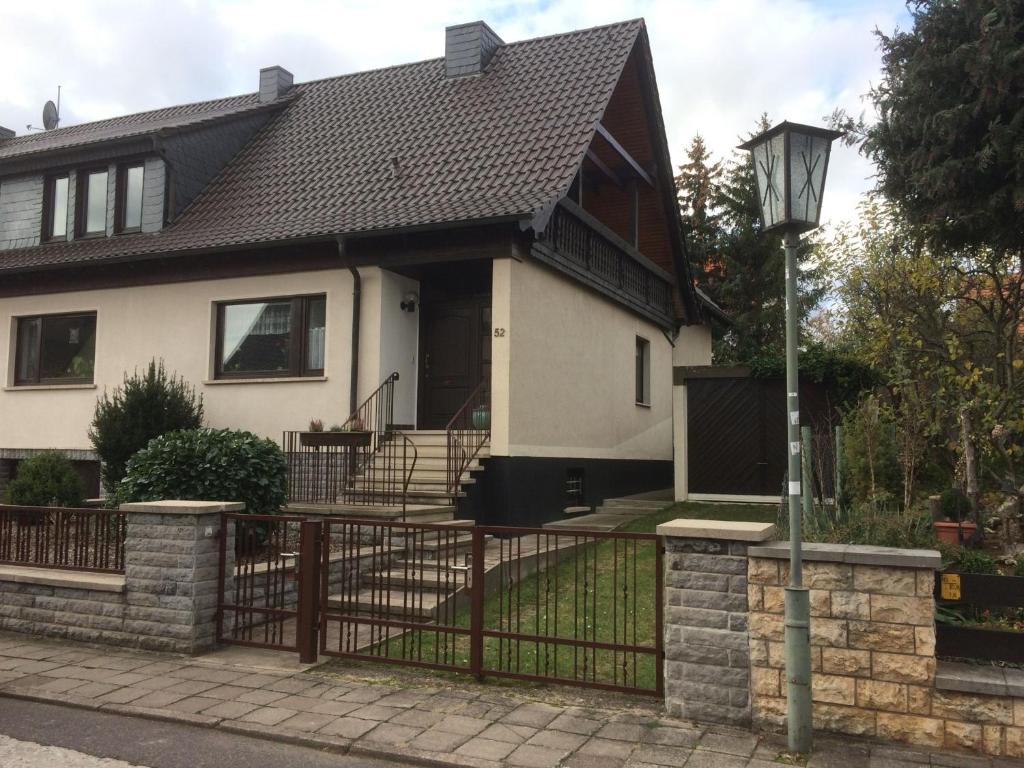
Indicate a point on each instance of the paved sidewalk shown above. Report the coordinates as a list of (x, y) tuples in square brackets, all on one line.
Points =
[(406, 716)]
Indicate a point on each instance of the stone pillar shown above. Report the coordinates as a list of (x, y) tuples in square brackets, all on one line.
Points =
[(707, 655), (172, 560)]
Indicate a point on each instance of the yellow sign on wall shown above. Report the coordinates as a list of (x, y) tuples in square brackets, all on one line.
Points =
[(949, 586)]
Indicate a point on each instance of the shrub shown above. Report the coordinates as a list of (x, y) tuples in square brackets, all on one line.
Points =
[(208, 465), (872, 462), (144, 407), (974, 561), (45, 480), (1019, 570), (866, 523), (955, 505)]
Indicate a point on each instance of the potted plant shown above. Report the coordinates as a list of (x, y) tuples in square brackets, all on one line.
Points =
[(352, 435), (955, 528), (482, 417)]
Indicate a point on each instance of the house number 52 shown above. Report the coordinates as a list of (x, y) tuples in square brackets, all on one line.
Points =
[(499, 333)]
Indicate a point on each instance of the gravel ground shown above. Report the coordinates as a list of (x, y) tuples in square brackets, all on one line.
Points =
[(28, 754)]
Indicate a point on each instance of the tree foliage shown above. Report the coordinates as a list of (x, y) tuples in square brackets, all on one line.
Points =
[(738, 265), (144, 407), (949, 142)]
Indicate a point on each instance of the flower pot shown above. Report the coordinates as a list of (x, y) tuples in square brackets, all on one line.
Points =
[(482, 417), (353, 439), (954, 533)]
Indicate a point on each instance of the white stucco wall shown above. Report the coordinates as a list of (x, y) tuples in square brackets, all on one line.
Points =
[(399, 342), (563, 375), (175, 322), (693, 347)]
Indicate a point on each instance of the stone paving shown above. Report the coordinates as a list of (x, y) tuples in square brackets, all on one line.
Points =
[(408, 716)]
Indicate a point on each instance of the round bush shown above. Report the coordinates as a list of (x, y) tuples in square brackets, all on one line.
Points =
[(208, 465), (955, 505), (47, 479)]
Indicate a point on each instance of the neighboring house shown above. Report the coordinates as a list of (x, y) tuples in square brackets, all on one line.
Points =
[(503, 218)]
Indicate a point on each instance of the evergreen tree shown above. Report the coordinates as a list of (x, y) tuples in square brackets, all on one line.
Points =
[(696, 187), (753, 288)]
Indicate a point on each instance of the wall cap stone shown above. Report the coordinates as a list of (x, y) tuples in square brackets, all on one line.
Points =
[(971, 678), (56, 577), (182, 507), (723, 530), (857, 554)]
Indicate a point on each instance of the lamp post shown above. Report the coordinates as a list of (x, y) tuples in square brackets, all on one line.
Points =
[(790, 162)]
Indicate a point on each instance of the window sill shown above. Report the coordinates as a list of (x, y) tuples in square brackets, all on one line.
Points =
[(267, 380), (29, 387), (643, 405)]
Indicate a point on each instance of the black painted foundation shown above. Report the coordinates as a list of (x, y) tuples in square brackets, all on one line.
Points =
[(529, 491)]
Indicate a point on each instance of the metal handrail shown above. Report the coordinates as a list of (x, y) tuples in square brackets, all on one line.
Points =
[(464, 442)]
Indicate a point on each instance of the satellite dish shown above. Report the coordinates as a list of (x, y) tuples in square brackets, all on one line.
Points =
[(50, 116)]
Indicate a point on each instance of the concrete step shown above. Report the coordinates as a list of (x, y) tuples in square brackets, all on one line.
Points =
[(441, 452), (605, 509), (595, 522), (649, 504), (418, 477), (397, 603), (422, 580), (418, 513), (434, 463)]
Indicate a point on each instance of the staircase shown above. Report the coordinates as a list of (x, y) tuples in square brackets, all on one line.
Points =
[(428, 483), (420, 581), (614, 513)]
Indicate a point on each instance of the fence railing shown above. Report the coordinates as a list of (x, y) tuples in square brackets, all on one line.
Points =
[(366, 462), (977, 614), (467, 432), (70, 538)]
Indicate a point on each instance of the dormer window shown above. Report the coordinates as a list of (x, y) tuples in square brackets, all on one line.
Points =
[(129, 197), (92, 208), (55, 208)]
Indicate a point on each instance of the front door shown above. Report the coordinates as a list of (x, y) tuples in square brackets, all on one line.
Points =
[(455, 350)]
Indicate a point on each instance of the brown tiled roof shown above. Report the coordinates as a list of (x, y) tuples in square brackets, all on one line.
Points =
[(396, 148), (127, 126)]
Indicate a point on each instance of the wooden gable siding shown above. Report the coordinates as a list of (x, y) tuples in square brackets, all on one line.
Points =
[(627, 119)]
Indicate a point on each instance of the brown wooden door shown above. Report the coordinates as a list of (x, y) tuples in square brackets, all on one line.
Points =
[(454, 355)]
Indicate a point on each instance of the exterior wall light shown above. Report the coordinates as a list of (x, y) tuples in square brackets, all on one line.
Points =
[(409, 303), (790, 163)]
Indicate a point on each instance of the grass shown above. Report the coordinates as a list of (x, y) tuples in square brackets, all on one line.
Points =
[(604, 592)]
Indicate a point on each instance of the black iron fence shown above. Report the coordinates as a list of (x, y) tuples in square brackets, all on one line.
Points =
[(71, 538)]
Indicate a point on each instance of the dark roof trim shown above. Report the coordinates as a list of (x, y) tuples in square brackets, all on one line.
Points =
[(263, 244), (712, 308), (683, 373)]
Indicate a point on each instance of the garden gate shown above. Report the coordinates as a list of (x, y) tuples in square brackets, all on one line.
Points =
[(565, 606)]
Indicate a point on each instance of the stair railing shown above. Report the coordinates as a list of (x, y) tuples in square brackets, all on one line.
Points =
[(366, 462), (467, 432)]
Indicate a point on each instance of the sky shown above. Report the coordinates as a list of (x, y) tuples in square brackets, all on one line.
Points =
[(719, 63)]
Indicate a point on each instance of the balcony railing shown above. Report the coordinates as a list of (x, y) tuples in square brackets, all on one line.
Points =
[(577, 242)]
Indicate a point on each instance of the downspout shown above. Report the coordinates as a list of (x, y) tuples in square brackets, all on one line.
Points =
[(357, 294)]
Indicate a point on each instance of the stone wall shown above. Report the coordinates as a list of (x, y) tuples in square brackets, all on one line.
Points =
[(872, 651), (165, 600), (707, 662)]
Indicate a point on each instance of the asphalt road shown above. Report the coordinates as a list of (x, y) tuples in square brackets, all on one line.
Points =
[(140, 742)]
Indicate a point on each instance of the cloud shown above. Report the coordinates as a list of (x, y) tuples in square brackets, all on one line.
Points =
[(719, 64)]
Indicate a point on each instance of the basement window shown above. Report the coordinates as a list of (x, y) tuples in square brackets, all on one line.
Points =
[(55, 349), (268, 338), (643, 371)]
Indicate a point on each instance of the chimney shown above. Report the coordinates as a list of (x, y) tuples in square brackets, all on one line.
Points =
[(468, 48), (6, 133), (275, 82)]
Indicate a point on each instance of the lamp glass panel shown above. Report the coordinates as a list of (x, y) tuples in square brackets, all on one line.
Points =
[(808, 159), (769, 167)]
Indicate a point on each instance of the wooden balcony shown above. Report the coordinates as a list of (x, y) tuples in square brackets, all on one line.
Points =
[(577, 243)]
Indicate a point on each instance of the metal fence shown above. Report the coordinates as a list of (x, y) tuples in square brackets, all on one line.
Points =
[(70, 538)]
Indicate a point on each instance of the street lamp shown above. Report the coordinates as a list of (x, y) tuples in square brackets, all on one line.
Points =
[(790, 162)]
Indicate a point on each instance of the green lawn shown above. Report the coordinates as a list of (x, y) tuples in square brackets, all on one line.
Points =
[(604, 593)]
